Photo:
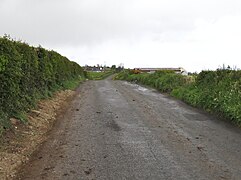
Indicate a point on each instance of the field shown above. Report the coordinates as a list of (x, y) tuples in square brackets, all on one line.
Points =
[(99, 75)]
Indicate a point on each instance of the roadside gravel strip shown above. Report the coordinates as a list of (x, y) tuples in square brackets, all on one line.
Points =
[(117, 130), (18, 144)]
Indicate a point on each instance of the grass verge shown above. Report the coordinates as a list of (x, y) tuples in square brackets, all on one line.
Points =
[(99, 75), (218, 92)]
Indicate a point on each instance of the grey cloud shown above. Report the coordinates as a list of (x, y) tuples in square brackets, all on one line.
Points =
[(79, 22)]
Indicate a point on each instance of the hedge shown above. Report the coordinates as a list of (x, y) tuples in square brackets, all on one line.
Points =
[(217, 91), (28, 73), (164, 81)]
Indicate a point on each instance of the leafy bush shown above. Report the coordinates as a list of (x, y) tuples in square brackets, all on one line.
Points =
[(123, 75), (215, 91), (27, 74), (164, 81)]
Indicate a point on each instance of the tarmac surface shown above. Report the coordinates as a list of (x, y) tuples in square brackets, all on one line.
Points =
[(118, 130)]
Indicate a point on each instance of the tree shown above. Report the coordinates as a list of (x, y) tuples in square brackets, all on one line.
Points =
[(113, 67)]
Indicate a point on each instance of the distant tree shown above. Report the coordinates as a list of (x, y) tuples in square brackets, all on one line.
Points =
[(113, 67), (120, 68)]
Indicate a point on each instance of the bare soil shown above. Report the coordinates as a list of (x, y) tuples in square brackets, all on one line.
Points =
[(19, 143)]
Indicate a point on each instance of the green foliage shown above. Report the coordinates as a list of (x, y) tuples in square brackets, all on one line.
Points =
[(168, 82), (215, 91), (73, 84), (123, 75), (27, 74), (113, 67), (99, 75), (164, 81), (4, 122)]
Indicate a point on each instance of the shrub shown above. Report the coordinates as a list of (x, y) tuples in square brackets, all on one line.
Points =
[(28, 73), (215, 91)]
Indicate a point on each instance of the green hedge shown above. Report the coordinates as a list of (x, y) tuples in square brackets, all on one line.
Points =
[(27, 74), (164, 81), (215, 91)]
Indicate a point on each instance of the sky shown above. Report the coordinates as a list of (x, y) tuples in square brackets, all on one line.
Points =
[(193, 34)]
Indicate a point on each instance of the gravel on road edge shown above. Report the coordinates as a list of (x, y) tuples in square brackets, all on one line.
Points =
[(19, 143)]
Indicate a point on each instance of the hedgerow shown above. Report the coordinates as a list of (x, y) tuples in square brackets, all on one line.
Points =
[(164, 81), (28, 73), (215, 91)]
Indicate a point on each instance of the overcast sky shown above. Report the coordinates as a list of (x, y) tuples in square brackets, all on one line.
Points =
[(194, 34)]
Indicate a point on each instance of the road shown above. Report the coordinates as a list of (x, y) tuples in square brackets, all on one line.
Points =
[(117, 130)]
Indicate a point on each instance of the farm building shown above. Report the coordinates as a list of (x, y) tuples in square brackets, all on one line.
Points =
[(152, 70)]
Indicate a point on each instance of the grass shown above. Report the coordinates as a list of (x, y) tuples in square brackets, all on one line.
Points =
[(22, 115), (217, 91), (73, 84), (99, 75)]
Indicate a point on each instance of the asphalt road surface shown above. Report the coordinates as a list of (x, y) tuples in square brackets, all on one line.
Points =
[(117, 130)]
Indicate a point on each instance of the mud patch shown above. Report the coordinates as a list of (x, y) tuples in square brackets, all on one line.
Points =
[(113, 125)]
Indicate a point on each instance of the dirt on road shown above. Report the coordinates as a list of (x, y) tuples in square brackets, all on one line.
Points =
[(18, 143), (117, 130)]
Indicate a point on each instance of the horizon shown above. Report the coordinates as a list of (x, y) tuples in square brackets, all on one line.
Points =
[(196, 35), (221, 66)]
